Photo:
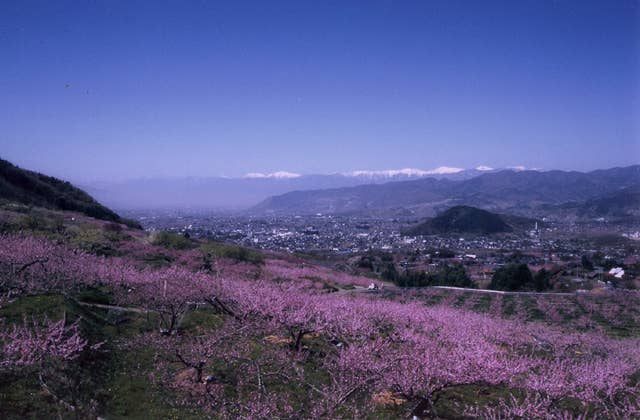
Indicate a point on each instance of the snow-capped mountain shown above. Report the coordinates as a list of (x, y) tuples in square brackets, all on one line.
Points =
[(403, 173), (484, 168), (276, 175)]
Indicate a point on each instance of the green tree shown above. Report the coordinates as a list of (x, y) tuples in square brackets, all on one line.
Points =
[(449, 275), (512, 277), (390, 273), (586, 263), (542, 280), (453, 275), (172, 240)]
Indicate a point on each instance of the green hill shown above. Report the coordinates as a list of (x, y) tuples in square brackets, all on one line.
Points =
[(462, 219), (35, 189)]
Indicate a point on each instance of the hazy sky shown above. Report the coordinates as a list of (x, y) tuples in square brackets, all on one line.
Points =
[(122, 89)]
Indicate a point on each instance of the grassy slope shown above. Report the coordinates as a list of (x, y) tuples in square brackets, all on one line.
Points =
[(119, 375), (35, 189), (117, 378), (119, 383)]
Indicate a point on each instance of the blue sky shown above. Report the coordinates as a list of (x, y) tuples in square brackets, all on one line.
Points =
[(124, 89)]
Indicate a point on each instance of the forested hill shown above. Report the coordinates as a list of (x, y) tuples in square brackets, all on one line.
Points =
[(35, 189), (462, 219)]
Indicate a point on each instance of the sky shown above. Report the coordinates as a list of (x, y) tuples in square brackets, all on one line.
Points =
[(101, 90)]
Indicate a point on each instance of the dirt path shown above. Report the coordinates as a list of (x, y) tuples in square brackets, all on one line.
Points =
[(115, 307), (495, 292)]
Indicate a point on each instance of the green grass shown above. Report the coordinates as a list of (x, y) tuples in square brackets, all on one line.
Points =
[(172, 240), (21, 398), (618, 331), (99, 295), (200, 319), (508, 306), (51, 306), (158, 260), (433, 298), (234, 252), (116, 378), (529, 305), (119, 377), (24, 395), (132, 395), (483, 303), (461, 299)]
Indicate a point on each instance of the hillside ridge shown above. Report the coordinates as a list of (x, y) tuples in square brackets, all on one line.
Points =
[(36, 189)]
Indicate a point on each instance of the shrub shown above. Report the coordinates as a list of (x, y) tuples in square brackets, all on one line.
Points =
[(94, 242), (449, 275), (233, 252), (542, 280), (512, 277), (171, 240)]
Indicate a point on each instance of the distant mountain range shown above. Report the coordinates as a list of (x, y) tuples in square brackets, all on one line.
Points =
[(519, 192), (251, 189), (389, 174), (619, 204), (622, 204), (613, 193), (35, 189)]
